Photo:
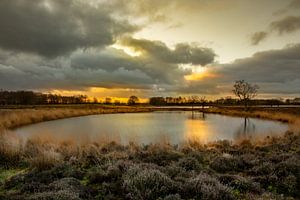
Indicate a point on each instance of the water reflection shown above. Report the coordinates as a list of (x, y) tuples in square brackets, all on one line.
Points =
[(197, 115), (173, 127), (245, 130)]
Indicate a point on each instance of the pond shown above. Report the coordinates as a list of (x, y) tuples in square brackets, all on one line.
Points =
[(154, 127)]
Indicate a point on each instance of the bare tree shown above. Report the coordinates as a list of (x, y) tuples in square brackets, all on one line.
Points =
[(245, 91), (202, 101), (133, 100)]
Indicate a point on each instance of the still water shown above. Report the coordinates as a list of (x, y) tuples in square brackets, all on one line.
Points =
[(155, 127)]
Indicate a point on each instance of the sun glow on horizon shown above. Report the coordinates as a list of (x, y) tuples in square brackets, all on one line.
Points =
[(101, 94)]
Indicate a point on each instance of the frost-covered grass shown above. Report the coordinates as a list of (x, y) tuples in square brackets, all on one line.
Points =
[(266, 169)]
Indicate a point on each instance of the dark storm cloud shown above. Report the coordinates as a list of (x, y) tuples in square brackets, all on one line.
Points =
[(107, 68), (281, 66), (182, 54), (286, 25), (17, 77), (157, 61), (295, 4), (257, 37), (112, 60), (275, 71), (57, 27)]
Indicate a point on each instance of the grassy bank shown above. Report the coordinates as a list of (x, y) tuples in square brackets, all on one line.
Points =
[(16, 117), (289, 115), (267, 169)]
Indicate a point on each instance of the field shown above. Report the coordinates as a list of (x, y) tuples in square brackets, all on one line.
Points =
[(264, 169)]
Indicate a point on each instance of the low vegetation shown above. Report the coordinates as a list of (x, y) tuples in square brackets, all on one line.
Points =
[(288, 115), (12, 118), (266, 169)]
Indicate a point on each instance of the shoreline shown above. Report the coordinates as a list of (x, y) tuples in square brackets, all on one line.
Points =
[(12, 118), (15, 118)]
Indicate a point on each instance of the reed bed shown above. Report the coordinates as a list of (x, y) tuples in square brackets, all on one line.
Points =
[(282, 115), (12, 118)]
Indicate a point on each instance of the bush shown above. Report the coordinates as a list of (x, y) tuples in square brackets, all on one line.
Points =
[(189, 163), (174, 170), (224, 164), (240, 184), (171, 197), (206, 187), (147, 184), (289, 186), (59, 195), (159, 155), (265, 168), (289, 167)]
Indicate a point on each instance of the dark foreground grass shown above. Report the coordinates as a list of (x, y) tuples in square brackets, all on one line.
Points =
[(39, 170)]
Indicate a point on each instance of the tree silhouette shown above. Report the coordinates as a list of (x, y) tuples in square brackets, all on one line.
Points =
[(133, 100), (245, 91)]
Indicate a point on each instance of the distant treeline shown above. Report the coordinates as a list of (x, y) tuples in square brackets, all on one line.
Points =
[(201, 101), (35, 98)]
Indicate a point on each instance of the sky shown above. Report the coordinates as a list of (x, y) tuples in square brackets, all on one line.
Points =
[(119, 48)]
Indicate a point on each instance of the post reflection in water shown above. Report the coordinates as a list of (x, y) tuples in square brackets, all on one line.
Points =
[(245, 130)]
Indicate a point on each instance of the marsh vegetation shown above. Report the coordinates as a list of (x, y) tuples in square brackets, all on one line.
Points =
[(266, 169), (37, 168)]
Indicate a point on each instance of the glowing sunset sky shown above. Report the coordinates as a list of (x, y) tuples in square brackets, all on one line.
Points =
[(118, 48)]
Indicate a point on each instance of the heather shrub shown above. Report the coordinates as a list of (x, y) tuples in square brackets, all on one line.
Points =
[(59, 195), (288, 167), (65, 188), (206, 187), (240, 184), (149, 184), (171, 197), (224, 164), (189, 163), (264, 168), (96, 175), (289, 186), (174, 170), (160, 155), (70, 184)]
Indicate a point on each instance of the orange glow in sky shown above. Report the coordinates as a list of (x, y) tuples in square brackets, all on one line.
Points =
[(200, 76)]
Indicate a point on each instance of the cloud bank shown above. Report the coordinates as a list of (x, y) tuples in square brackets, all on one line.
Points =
[(71, 45), (58, 27)]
